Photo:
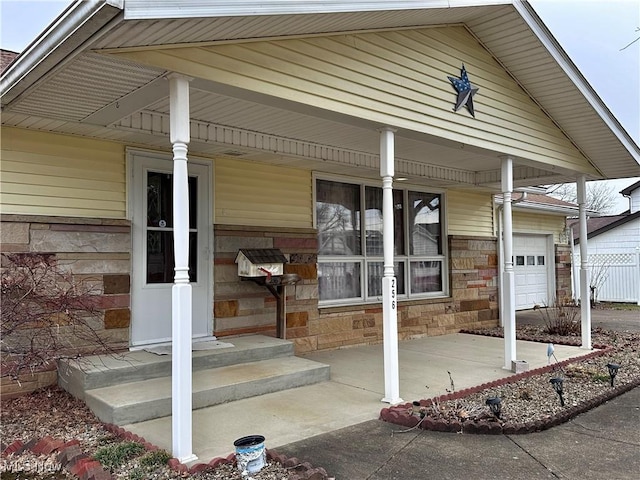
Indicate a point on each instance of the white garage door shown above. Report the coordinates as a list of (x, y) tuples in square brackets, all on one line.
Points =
[(531, 263)]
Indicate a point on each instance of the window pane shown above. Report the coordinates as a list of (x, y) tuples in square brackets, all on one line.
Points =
[(519, 260), (161, 260), (531, 260), (338, 218), (541, 260), (426, 277), (193, 202), (159, 199), (339, 280), (373, 221), (424, 215), (376, 272)]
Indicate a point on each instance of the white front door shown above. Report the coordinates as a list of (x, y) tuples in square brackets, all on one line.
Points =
[(151, 204), (531, 263)]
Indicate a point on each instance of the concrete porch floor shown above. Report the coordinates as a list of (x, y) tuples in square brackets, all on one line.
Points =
[(354, 393)]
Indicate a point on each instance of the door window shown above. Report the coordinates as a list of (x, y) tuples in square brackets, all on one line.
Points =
[(159, 229)]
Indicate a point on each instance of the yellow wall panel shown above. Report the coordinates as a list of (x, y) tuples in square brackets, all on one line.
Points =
[(525, 222), (469, 213), (49, 174), (396, 78), (248, 193)]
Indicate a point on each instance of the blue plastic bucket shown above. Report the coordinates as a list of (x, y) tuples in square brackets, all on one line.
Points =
[(251, 455)]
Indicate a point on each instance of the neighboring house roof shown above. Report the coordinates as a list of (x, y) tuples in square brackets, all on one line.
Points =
[(541, 203), (600, 225), (43, 81), (6, 57), (630, 188)]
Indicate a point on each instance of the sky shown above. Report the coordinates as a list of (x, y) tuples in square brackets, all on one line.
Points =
[(592, 32)]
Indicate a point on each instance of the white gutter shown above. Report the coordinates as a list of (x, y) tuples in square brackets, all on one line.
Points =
[(58, 44), (537, 26), (523, 204)]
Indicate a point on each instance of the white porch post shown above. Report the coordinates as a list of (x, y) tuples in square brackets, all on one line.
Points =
[(389, 284), (509, 301), (585, 298), (181, 421)]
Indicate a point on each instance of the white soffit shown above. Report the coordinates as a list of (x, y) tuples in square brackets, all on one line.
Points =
[(199, 30), (156, 9), (87, 85), (90, 86)]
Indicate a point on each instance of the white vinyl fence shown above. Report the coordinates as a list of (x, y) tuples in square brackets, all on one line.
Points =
[(615, 276)]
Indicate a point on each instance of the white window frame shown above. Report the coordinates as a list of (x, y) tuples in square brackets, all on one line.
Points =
[(405, 258)]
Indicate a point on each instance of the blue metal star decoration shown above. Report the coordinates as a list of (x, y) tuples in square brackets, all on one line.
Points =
[(465, 90)]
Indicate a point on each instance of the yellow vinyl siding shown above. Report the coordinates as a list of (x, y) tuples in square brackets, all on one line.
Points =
[(469, 213), (248, 193), (539, 223), (397, 78), (49, 174)]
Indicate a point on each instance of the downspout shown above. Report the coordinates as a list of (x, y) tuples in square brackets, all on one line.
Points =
[(574, 277), (501, 256)]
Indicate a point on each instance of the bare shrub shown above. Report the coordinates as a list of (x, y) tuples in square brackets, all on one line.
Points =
[(47, 314), (561, 318)]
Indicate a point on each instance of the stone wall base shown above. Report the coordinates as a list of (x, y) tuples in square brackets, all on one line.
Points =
[(27, 383)]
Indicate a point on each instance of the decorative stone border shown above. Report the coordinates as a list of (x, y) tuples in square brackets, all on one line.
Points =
[(401, 414), (84, 467), (70, 456)]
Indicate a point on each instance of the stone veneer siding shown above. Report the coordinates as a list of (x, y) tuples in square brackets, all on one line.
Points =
[(94, 250), (563, 272), (242, 306)]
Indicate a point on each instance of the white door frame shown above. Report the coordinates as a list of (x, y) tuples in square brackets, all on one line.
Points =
[(138, 256)]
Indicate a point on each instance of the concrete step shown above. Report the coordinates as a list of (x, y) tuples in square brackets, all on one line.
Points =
[(88, 373), (147, 399)]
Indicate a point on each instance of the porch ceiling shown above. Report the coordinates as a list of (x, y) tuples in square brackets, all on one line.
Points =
[(95, 95)]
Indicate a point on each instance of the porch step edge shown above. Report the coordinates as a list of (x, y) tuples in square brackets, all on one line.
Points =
[(79, 375), (149, 399)]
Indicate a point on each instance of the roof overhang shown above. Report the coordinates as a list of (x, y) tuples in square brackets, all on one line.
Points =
[(151, 9), (537, 26), (69, 35), (70, 43)]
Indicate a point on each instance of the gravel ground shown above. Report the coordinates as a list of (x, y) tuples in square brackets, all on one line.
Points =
[(534, 398), (53, 412)]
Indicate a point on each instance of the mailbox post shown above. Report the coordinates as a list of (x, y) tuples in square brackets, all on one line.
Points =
[(265, 266)]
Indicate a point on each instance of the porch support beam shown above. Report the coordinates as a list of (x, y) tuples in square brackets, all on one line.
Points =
[(389, 283), (151, 124), (508, 313), (181, 381), (585, 298)]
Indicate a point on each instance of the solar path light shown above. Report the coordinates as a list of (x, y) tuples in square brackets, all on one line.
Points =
[(556, 383), (495, 405), (613, 371)]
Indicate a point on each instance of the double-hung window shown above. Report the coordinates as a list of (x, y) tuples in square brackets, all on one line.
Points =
[(350, 247)]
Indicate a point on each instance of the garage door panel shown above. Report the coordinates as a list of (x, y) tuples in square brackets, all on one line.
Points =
[(531, 265)]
